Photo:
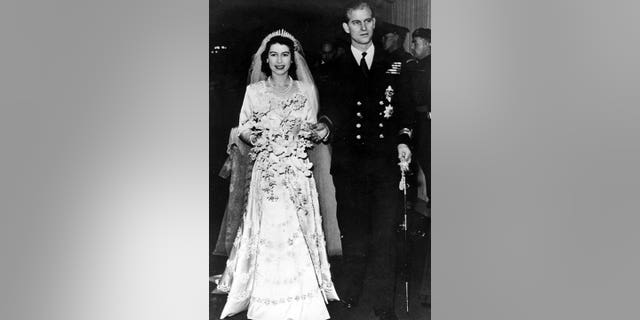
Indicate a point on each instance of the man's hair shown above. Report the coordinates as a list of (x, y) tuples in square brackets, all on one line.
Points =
[(401, 32), (279, 40), (422, 33), (355, 5)]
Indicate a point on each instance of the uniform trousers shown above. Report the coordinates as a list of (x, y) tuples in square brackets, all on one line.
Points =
[(368, 210), (423, 146)]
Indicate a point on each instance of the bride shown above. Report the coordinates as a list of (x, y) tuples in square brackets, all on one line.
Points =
[(278, 266)]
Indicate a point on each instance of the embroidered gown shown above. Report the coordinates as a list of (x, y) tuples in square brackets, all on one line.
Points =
[(278, 267)]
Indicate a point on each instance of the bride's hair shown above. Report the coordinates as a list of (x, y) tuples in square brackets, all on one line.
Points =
[(283, 41)]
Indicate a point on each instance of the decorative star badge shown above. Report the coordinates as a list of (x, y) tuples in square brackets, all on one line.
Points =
[(388, 111), (388, 93)]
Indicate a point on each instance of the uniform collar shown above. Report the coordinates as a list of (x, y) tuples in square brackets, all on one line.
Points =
[(357, 54)]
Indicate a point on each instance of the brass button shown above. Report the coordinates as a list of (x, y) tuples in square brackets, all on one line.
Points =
[(381, 136), (381, 102), (359, 103), (380, 125), (358, 137), (358, 125), (359, 114)]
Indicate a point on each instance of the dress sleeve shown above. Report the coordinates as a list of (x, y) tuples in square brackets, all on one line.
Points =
[(312, 104), (245, 111)]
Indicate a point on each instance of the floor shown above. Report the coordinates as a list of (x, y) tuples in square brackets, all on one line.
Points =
[(364, 310)]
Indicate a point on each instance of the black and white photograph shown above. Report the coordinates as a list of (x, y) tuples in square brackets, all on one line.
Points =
[(320, 120), (275, 159)]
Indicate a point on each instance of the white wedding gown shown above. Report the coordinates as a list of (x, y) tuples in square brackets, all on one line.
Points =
[(278, 267)]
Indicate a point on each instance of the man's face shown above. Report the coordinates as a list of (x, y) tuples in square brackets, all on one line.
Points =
[(360, 26), (420, 47), (389, 41)]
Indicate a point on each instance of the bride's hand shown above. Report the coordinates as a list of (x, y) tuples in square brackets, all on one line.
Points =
[(250, 136), (320, 132)]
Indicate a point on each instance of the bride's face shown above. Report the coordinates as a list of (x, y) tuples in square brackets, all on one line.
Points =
[(279, 59)]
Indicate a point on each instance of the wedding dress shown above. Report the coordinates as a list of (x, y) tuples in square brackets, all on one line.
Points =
[(278, 267)]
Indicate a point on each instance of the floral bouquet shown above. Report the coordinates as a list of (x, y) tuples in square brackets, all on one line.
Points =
[(280, 151)]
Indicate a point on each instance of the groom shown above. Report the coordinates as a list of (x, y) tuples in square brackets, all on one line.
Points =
[(369, 135)]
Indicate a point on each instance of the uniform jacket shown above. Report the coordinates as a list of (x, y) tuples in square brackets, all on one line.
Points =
[(364, 114), (398, 59)]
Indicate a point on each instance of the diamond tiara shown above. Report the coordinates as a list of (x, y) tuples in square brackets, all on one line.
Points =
[(284, 33)]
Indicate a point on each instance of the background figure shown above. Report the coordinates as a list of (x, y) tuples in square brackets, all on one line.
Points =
[(327, 52), (325, 66), (340, 51), (368, 135), (416, 80), (392, 42)]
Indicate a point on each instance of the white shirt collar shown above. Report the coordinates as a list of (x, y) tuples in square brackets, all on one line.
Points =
[(357, 54)]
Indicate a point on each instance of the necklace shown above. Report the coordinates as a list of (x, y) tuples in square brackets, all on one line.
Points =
[(280, 90)]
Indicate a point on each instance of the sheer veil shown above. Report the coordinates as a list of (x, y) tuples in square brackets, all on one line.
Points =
[(302, 68), (238, 166), (320, 155)]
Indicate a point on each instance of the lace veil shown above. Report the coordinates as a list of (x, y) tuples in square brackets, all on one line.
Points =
[(302, 69)]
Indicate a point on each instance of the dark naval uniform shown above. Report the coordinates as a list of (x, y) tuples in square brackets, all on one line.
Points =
[(367, 123), (416, 85)]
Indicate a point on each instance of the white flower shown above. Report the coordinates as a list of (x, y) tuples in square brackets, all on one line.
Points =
[(301, 154)]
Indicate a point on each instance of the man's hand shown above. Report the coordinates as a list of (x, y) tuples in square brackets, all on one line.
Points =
[(404, 155)]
